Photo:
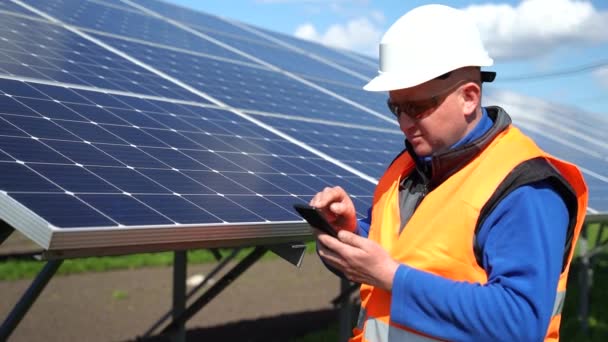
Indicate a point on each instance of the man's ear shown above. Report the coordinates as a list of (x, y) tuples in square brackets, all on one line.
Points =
[(470, 97)]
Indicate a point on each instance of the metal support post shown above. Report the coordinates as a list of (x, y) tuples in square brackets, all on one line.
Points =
[(585, 274), (180, 265), (209, 276), (216, 289), (5, 231), (28, 298)]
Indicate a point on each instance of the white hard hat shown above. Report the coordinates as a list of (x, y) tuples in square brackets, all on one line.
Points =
[(425, 43)]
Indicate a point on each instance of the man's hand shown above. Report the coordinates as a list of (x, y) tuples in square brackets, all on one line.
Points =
[(337, 207), (359, 259)]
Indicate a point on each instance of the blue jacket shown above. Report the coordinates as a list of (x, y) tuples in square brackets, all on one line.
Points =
[(523, 241)]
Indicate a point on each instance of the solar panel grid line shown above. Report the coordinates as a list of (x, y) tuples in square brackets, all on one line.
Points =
[(301, 51), (168, 47), (64, 190), (105, 90), (117, 4), (109, 183), (203, 95), (194, 160), (567, 130), (560, 140), (262, 62), (112, 184), (84, 64), (315, 120)]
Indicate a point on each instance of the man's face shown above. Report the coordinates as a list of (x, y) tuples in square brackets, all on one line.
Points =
[(438, 117)]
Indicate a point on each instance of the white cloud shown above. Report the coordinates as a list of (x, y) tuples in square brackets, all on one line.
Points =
[(601, 75), (358, 34), (536, 27)]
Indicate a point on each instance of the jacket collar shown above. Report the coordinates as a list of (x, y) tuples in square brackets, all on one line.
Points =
[(442, 165)]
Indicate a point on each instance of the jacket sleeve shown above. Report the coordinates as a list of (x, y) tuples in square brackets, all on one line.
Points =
[(523, 241)]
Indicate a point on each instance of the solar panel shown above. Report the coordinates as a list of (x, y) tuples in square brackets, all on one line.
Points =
[(145, 126)]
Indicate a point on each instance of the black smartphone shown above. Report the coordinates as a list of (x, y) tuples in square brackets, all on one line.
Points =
[(314, 217)]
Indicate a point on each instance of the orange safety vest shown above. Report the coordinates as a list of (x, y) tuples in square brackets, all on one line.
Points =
[(439, 236)]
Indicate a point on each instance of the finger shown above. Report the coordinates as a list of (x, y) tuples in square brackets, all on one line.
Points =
[(329, 195), (352, 239)]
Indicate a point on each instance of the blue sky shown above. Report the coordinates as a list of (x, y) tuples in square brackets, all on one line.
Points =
[(526, 38)]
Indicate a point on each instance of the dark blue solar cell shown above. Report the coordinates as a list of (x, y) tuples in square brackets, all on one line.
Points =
[(62, 94), (131, 156), (313, 166), (178, 209), (30, 150), (142, 104), (82, 153), (224, 208), (74, 178), (134, 136), (208, 126), (63, 210), (315, 183), (255, 183), (214, 161), (173, 122), (173, 139), (10, 105), (277, 163), (51, 109), (17, 177), (40, 128), (7, 129), (244, 144), (247, 162), (4, 156), (19, 88), (289, 184), (348, 186), (101, 99), (90, 132), (128, 180), (175, 159), (96, 114), (125, 210), (136, 118), (287, 202), (265, 208), (218, 182), (209, 142), (177, 182)]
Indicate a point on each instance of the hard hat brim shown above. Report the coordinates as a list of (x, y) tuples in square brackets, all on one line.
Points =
[(390, 81)]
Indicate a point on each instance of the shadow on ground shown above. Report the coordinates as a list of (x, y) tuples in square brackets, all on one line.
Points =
[(286, 327)]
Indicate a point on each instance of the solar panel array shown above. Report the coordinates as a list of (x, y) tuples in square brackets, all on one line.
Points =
[(139, 123)]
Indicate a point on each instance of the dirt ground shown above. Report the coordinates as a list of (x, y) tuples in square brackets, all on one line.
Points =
[(272, 301)]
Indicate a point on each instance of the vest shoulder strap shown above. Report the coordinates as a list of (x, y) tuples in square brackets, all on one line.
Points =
[(528, 172)]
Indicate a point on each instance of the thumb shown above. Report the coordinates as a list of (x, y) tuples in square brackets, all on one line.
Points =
[(351, 239)]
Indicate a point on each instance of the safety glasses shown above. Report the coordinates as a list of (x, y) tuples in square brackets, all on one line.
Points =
[(419, 109)]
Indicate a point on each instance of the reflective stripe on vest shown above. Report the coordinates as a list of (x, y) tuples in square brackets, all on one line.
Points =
[(378, 331), (559, 303)]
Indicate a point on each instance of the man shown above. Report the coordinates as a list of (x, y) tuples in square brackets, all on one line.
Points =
[(472, 227)]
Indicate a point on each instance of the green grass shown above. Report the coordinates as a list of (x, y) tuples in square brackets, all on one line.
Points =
[(27, 269)]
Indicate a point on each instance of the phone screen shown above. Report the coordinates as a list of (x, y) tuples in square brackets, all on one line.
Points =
[(314, 217)]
